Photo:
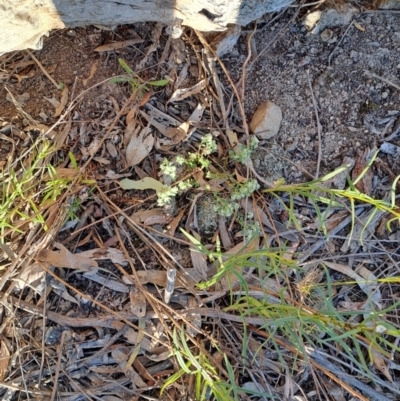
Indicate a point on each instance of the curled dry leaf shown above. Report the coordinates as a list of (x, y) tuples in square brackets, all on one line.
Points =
[(139, 147)]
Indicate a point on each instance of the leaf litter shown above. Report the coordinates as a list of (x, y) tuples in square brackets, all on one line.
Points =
[(115, 315)]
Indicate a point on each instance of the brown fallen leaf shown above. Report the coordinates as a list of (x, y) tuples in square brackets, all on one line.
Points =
[(173, 225), (64, 258), (365, 280), (91, 74), (199, 263), (380, 364), (224, 234), (159, 277), (137, 302), (232, 276), (113, 254), (63, 102), (151, 217), (139, 147), (4, 359), (177, 134)]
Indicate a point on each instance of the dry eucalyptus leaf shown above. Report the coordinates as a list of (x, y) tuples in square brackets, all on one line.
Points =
[(145, 183), (380, 364), (181, 94), (365, 282), (91, 74), (64, 258), (106, 282), (195, 117), (177, 134), (139, 147), (199, 263), (62, 103), (159, 277), (150, 217), (137, 302), (54, 102), (114, 254), (4, 359)]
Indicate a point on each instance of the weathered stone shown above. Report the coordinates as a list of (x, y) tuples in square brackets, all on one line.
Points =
[(266, 120), (24, 22), (332, 17)]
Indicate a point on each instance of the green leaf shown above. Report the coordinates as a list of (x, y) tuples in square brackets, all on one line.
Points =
[(161, 82), (117, 80), (334, 173), (125, 66), (73, 160), (146, 183)]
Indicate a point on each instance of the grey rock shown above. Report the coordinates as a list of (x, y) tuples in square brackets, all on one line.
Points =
[(331, 18), (25, 22), (226, 40)]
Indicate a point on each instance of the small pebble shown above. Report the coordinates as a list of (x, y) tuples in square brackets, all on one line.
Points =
[(326, 35)]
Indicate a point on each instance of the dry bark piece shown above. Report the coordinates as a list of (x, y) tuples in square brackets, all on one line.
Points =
[(266, 120)]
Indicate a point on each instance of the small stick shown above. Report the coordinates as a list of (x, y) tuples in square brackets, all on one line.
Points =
[(43, 69), (318, 126), (57, 375), (340, 41), (371, 74)]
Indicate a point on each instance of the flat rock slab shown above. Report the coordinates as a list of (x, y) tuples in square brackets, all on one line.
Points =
[(24, 22)]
